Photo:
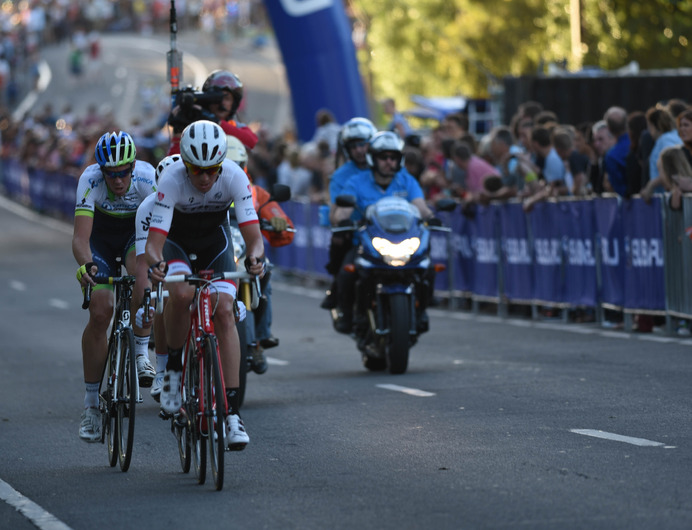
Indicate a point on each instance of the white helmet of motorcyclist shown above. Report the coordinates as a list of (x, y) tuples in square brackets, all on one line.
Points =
[(353, 132), (235, 150), (383, 143)]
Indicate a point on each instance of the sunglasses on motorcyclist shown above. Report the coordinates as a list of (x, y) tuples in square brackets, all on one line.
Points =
[(117, 174), (197, 170), (388, 156)]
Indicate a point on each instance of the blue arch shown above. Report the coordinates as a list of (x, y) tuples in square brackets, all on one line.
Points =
[(315, 41)]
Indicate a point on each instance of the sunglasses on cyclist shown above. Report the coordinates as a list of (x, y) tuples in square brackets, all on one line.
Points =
[(388, 156), (117, 174), (197, 170)]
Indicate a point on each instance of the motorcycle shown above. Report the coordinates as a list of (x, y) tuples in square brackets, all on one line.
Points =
[(250, 290), (395, 280)]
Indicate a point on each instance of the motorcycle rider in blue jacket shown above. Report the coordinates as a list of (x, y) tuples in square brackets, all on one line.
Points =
[(386, 178)]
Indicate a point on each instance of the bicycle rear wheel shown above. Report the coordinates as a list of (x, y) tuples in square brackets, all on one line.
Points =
[(127, 392), (108, 405), (192, 393), (214, 409), (242, 336)]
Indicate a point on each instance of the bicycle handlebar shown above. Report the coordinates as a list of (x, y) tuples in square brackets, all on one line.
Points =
[(104, 280)]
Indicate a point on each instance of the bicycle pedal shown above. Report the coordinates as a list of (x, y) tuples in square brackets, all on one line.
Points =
[(164, 415)]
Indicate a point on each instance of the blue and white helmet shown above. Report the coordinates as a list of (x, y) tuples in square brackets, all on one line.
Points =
[(385, 141), (115, 149)]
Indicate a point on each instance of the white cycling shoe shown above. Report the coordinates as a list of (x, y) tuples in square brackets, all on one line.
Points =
[(171, 398), (157, 386), (236, 436)]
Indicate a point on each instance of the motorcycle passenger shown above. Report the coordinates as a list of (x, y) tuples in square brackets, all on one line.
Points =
[(190, 215), (353, 146), (278, 237), (385, 159), (108, 194)]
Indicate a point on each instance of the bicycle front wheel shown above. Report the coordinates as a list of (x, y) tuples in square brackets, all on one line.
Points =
[(214, 409), (127, 392), (108, 403), (193, 407)]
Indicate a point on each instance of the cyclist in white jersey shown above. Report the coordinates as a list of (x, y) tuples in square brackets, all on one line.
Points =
[(108, 194), (190, 216)]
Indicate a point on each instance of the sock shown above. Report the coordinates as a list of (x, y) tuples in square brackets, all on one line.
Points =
[(175, 360), (233, 399), (91, 396), (141, 345), (161, 360)]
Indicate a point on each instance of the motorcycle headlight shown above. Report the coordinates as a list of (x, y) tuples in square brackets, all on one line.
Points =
[(396, 254)]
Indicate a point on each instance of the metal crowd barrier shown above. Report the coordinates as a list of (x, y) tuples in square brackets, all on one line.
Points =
[(596, 254)]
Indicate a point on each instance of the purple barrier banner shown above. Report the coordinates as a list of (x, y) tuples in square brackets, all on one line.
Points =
[(68, 196), (320, 236), (644, 268), (548, 279), (578, 228), (439, 251), (464, 257), (16, 180), (320, 60), (517, 263), (487, 255), (608, 220)]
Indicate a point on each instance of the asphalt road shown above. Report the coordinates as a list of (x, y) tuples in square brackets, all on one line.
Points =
[(496, 424)]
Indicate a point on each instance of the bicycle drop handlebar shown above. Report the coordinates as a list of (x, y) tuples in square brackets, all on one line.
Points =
[(104, 280)]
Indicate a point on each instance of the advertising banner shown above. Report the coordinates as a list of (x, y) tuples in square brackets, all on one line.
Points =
[(517, 263), (644, 266), (577, 224), (548, 270), (609, 238), (487, 254)]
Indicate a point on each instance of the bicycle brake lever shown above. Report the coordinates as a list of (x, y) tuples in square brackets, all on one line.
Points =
[(87, 296), (159, 298)]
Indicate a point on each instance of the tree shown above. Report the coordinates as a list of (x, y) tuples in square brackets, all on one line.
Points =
[(462, 47)]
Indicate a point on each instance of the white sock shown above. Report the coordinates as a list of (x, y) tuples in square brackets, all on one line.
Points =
[(141, 345), (91, 396), (161, 360)]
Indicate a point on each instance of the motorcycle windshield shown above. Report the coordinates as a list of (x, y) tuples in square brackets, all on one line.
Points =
[(393, 214)]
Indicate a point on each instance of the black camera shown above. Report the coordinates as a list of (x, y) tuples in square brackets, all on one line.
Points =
[(192, 106)]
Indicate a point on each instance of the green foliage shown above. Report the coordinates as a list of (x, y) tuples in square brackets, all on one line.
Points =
[(462, 47)]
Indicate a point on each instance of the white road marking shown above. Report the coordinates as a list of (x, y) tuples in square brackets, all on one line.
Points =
[(29, 509), (410, 391), (59, 304), (278, 362), (618, 438), (17, 285)]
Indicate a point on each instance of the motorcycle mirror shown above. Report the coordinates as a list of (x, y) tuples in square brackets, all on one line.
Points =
[(346, 201), (446, 205), (281, 193)]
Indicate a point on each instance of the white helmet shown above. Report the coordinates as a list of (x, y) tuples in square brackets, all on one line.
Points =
[(385, 141), (203, 144), (165, 163), (236, 151), (353, 130)]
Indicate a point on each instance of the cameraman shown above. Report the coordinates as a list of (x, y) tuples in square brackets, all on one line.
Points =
[(218, 101)]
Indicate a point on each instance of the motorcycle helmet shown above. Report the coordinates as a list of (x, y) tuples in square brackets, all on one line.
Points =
[(165, 163), (225, 80), (115, 149), (203, 144), (385, 141), (353, 130), (236, 151)]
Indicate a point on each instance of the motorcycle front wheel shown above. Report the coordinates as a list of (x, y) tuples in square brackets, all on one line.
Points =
[(399, 326)]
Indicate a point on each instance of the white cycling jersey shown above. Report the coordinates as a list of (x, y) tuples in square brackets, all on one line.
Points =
[(93, 194), (197, 212), (142, 222)]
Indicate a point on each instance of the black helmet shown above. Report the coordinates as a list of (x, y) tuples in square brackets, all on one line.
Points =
[(225, 80)]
